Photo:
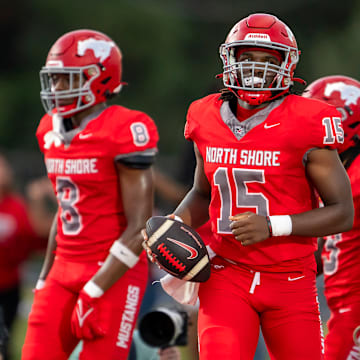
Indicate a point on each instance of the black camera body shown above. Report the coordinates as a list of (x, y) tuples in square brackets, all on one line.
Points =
[(164, 327)]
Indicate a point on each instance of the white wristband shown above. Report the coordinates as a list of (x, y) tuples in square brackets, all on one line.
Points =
[(124, 254), (281, 225), (93, 290)]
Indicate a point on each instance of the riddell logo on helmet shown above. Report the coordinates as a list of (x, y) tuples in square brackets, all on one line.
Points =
[(55, 63), (101, 48), (257, 36)]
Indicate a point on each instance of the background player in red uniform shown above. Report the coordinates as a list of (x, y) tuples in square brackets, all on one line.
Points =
[(340, 253), (98, 159), (261, 153), (19, 238)]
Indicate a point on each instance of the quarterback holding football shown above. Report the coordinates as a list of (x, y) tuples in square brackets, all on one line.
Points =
[(177, 248), (262, 155)]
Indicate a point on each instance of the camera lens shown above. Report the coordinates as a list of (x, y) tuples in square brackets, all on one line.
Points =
[(157, 328)]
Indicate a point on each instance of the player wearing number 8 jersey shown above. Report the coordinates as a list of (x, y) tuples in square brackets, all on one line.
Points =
[(98, 159), (261, 155)]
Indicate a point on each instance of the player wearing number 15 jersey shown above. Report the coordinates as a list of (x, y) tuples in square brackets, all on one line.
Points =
[(261, 155), (341, 252), (98, 159)]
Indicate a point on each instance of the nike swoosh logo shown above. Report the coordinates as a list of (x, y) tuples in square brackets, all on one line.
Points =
[(193, 252), (266, 126), (80, 313), (84, 136), (295, 278)]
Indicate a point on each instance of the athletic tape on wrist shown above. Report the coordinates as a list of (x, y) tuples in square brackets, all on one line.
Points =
[(281, 225), (93, 290), (124, 254)]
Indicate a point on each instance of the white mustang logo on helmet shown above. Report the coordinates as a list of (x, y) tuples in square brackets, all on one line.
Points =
[(101, 48), (349, 93), (290, 34)]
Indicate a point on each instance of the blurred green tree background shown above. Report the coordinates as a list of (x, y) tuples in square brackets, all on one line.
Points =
[(170, 53)]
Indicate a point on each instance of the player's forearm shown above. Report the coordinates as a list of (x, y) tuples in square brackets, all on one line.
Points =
[(137, 199), (50, 250), (168, 188), (110, 272), (331, 219), (113, 267), (194, 209)]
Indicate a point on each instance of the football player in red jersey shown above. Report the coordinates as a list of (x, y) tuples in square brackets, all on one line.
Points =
[(340, 253), (261, 154), (99, 160), (19, 239)]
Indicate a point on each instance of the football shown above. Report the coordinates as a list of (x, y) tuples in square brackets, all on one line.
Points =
[(178, 249)]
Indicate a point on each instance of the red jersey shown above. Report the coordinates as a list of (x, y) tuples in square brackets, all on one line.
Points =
[(81, 166), (259, 165), (17, 239), (341, 254)]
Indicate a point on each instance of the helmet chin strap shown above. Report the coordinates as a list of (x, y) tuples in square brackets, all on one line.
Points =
[(75, 107), (299, 80), (257, 98), (254, 98), (66, 108)]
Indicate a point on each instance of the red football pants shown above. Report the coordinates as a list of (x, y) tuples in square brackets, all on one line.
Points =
[(339, 342), (236, 301), (49, 333)]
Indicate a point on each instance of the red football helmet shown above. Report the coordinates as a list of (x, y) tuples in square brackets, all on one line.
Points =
[(261, 32), (344, 93), (89, 58)]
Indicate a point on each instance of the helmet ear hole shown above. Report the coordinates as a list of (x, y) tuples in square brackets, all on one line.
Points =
[(348, 110), (354, 125), (101, 66), (106, 80), (109, 95)]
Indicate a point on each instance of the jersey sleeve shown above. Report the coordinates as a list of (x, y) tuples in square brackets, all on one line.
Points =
[(189, 125), (200, 109), (136, 135), (191, 119), (326, 130), (43, 127)]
